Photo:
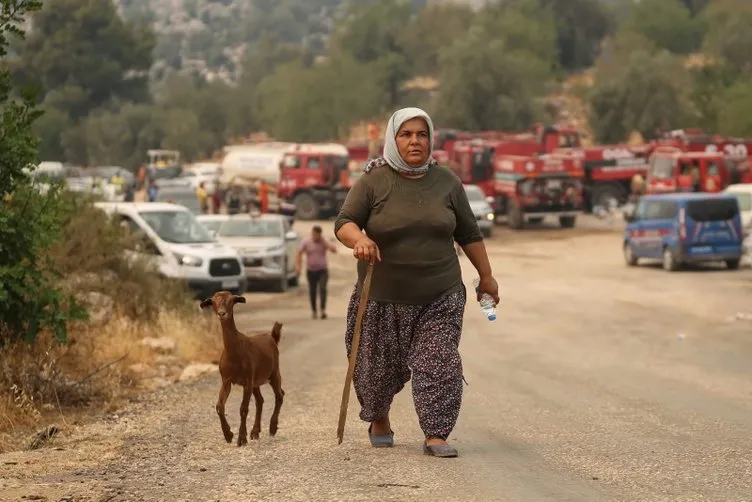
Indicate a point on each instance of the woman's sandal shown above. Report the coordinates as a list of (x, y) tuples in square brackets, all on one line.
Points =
[(440, 450), (381, 440)]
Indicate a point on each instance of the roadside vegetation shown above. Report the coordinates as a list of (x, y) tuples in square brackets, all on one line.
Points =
[(73, 308)]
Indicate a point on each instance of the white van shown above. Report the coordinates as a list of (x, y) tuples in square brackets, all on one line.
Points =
[(180, 246), (743, 192)]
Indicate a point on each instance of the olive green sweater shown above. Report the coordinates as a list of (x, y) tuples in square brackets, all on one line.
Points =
[(415, 223)]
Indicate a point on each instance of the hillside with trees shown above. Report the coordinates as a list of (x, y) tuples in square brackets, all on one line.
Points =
[(307, 70)]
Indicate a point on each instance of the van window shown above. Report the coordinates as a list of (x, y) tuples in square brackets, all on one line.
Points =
[(712, 209), (659, 210), (176, 227)]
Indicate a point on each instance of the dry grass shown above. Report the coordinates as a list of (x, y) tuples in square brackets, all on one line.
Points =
[(52, 383)]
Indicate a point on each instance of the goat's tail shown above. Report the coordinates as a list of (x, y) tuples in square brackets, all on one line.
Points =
[(277, 332)]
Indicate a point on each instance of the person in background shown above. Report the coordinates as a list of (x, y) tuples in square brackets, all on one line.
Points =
[(130, 192), (216, 197), (118, 181), (264, 190), (234, 202), (412, 212), (315, 248), (141, 177), (203, 198), (151, 192)]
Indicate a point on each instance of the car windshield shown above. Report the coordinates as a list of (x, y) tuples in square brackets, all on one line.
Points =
[(186, 199), (212, 225), (176, 227), (474, 194), (250, 228)]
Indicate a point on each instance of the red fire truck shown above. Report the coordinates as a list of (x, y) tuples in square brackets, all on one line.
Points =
[(522, 188), (674, 170), (308, 175)]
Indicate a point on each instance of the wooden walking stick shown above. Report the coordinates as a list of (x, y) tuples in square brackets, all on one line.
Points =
[(364, 294)]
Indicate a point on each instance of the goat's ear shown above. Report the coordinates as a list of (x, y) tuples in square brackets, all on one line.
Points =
[(238, 299), (205, 303)]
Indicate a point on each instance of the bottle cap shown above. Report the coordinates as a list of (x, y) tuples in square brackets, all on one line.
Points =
[(491, 317)]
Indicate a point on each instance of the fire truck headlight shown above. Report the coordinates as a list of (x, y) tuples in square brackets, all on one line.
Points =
[(490, 216)]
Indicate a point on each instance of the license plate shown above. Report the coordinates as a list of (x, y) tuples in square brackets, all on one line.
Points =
[(556, 184), (702, 249), (230, 284)]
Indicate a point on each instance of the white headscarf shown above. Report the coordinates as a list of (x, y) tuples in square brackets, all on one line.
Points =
[(391, 152)]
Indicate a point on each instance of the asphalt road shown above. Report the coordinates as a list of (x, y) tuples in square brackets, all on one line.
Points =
[(598, 382)]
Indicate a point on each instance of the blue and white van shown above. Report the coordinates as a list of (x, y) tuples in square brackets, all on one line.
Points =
[(683, 228)]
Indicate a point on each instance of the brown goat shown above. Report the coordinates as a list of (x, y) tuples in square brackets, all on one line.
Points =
[(249, 362)]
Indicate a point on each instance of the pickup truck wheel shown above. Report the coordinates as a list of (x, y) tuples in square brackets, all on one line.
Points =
[(733, 264), (567, 221), (306, 207)]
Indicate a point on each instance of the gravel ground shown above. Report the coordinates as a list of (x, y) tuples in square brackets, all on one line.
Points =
[(597, 382)]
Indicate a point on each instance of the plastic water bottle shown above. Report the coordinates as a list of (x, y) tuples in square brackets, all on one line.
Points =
[(487, 304)]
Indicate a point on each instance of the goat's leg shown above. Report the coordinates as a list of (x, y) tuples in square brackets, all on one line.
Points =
[(242, 437), (256, 431), (276, 382), (224, 393)]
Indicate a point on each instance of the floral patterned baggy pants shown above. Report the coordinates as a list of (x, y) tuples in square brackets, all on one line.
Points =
[(398, 339)]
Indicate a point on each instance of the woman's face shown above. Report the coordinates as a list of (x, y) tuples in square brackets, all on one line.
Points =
[(413, 142)]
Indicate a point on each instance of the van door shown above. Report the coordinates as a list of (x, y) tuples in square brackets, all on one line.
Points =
[(712, 224), (657, 223), (139, 244)]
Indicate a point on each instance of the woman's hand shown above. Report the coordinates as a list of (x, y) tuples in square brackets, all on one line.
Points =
[(488, 285), (367, 250)]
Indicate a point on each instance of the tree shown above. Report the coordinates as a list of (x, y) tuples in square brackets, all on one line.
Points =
[(734, 118), (85, 45), (644, 92), (31, 298), (580, 27), (318, 103), (729, 34), (483, 85), (374, 33), (432, 28), (668, 23)]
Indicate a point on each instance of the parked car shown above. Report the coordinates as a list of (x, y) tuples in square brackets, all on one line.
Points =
[(743, 193), (266, 244), (483, 211), (182, 195), (179, 247), (685, 228), (212, 222)]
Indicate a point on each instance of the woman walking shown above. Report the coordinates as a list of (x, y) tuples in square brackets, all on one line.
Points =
[(412, 213)]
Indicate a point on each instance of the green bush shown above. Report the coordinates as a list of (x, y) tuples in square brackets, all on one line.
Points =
[(31, 299)]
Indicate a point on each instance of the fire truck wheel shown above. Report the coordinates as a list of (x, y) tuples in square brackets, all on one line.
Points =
[(733, 264), (669, 263), (604, 194), (515, 217), (306, 207), (536, 221), (567, 221)]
